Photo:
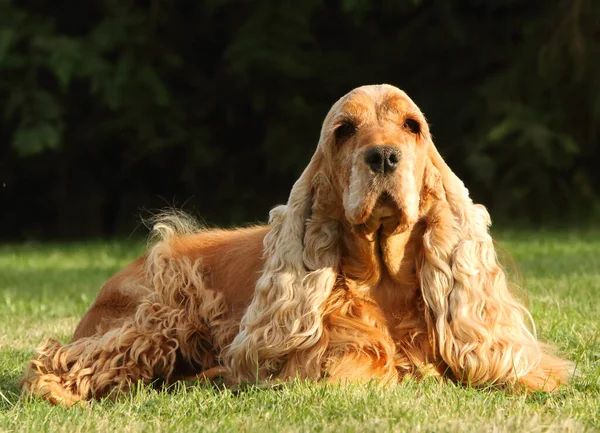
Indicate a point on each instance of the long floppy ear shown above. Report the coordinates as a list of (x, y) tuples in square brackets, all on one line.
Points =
[(301, 266), (479, 328)]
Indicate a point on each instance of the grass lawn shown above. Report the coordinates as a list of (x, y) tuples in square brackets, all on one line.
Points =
[(46, 288)]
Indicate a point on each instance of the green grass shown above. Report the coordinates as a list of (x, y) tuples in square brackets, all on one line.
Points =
[(45, 289)]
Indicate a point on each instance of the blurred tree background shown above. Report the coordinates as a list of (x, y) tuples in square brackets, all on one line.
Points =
[(115, 106)]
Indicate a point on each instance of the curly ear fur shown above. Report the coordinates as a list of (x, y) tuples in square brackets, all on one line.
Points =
[(286, 312), (479, 328)]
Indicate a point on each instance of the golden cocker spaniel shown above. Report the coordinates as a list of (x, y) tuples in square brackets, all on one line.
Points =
[(380, 266)]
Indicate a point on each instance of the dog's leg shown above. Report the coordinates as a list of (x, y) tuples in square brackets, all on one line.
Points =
[(415, 355), (359, 346), (141, 349), (176, 316), (355, 346), (42, 380), (550, 373), (205, 375)]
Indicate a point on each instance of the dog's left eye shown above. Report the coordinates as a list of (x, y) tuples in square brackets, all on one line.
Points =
[(345, 130), (412, 126)]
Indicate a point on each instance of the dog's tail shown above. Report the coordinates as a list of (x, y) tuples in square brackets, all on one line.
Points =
[(170, 223)]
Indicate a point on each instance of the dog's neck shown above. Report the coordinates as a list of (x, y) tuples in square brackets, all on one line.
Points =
[(384, 261)]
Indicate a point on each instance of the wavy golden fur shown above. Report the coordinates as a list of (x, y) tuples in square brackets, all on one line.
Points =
[(380, 266)]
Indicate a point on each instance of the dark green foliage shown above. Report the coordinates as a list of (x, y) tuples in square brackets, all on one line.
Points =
[(111, 105)]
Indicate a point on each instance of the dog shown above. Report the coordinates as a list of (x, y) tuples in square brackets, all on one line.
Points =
[(379, 267)]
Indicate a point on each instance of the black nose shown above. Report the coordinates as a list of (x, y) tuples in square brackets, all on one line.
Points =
[(382, 159)]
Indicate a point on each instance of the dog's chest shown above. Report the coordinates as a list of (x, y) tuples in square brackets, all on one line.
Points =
[(396, 299)]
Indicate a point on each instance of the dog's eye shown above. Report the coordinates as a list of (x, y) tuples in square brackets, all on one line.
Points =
[(345, 130), (412, 126)]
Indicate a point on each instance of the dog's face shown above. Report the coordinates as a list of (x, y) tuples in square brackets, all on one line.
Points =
[(377, 140)]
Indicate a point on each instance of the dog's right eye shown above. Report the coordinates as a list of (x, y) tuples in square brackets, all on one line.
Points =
[(345, 130)]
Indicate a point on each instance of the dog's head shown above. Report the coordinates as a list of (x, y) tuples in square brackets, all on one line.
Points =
[(375, 144)]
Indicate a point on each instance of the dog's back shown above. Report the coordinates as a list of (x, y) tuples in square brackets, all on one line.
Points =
[(230, 261)]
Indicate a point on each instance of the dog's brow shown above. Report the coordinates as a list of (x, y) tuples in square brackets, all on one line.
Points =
[(353, 109), (394, 105), (398, 109), (345, 116)]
